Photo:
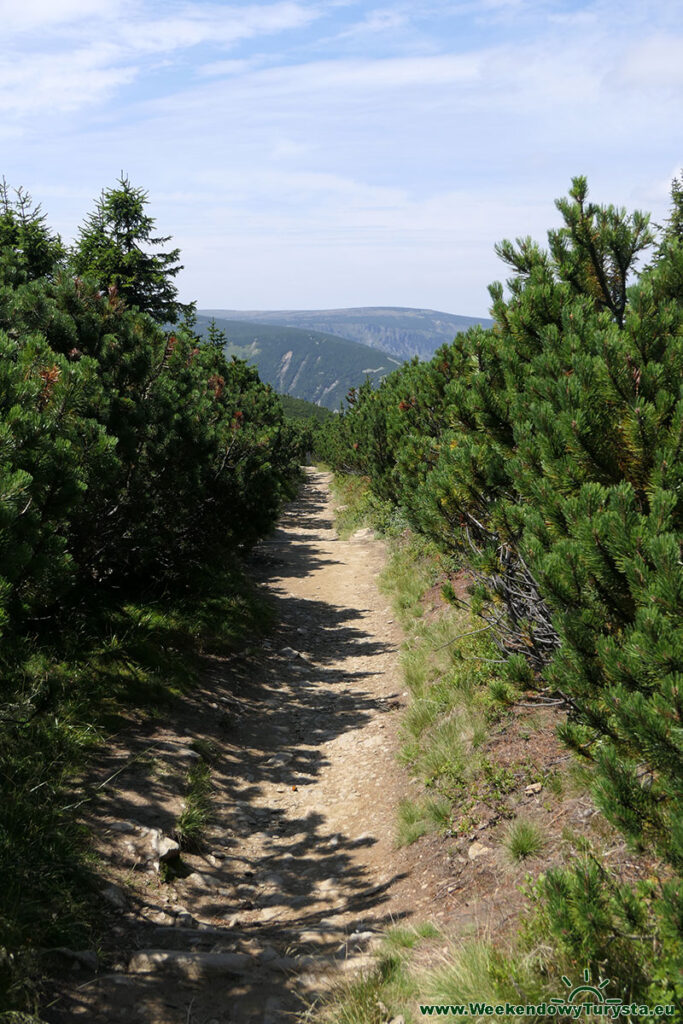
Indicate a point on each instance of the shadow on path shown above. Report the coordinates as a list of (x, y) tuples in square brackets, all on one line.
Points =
[(273, 873)]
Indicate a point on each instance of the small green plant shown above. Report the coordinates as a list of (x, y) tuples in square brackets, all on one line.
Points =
[(402, 938), (476, 971), (195, 816), (411, 823), (500, 779), (420, 715), (444, 753), (207, 749), (438, 811), (524, 839), (555, 783)]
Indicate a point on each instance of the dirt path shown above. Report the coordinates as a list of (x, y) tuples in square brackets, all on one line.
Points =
[(300, 872)]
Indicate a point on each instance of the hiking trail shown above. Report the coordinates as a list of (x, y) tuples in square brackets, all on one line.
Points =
[(299, 872)]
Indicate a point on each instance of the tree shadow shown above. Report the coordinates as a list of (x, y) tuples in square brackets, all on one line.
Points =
[(259, 721)]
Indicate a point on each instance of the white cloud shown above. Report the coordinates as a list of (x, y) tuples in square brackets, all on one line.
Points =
[(60, 82), (654, 63), (32, 15), (310, 153), (214, 24), (86, 49)]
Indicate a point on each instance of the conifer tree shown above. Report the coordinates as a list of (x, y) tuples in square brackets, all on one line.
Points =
[(558, 471), (31, 248), (114, 247)]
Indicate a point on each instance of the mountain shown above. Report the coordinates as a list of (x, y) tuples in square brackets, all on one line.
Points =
[(305, 363), (403, 332)]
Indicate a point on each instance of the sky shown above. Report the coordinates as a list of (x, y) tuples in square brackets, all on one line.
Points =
[(309, 155)]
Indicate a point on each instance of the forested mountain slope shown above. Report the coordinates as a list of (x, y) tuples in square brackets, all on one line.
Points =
[(304, 363), (401, 331)]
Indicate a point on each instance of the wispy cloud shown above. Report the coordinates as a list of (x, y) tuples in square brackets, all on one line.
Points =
[(315, 153), (77, 51), (58, 81)]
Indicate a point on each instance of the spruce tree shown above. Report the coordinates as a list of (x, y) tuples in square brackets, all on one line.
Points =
[(31, 249), (117, 246)]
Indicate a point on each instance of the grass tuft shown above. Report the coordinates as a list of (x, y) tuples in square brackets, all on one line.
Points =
[(412, 823), (524, 839), (406, 938), (195, 816)]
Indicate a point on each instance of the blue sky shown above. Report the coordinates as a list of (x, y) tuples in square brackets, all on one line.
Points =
[(309, 155)]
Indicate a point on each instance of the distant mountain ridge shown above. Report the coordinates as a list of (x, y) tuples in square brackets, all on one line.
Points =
[(403, 332), (306, 364)]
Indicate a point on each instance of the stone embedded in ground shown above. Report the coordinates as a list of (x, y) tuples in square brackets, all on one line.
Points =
[(115, 897), (272, 878), (123, 826), (357, 962), (319, 937), (365, 534), (189, 965), (478, 849), (287, 964), (201, 880), (187, 754), (167, 849), (268, 913), (283, 758), (169, 937), (184, 918), (157, 916), (267, 953)]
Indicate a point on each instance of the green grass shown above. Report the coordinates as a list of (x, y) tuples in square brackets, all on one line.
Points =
[(477, 971), (459, 973), (412, 823), (196, 814), (524, 839), (366, 998), (417, 818), (207, 750), (412, 568), (380, 994), (407, 937), (359, 507), (443, 753)]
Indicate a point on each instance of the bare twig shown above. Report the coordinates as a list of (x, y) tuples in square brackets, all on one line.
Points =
[(471, 632)]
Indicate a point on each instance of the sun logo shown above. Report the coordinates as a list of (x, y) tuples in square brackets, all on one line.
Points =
[(587, 989)]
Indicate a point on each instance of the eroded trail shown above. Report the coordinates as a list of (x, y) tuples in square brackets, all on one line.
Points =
[(299, 871)]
